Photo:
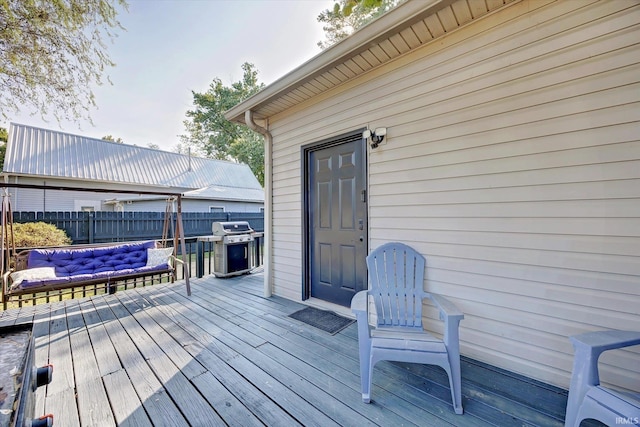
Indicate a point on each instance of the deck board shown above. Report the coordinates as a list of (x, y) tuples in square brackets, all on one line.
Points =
[(161, 409), (105, 353), (91, 393), (340, 377), (236, 347), (190, 402), (305, 385), (123, 400), (228, 356), (252, 398)]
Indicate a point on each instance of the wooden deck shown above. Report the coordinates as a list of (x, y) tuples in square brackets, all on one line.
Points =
[(228, 356)]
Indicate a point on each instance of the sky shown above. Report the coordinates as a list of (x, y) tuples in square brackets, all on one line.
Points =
[(172, 47)]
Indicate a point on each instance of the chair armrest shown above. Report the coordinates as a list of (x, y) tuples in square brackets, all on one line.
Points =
[(359, 307), (588, 348), (359, 302), (451, 316), (601, 341), (447, 309)]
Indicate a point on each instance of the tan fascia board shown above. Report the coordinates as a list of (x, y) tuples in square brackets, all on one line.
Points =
[(373, 33)]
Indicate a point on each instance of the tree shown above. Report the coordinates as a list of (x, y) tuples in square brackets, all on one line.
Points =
[(213, 136), (4, 137), (112, 139), (349, 15), (52, 52)]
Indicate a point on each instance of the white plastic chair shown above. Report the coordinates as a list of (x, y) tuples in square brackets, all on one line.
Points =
[(396, 272), (587, 398)]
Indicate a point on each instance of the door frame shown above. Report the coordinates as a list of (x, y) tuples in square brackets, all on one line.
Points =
[(305, 152)]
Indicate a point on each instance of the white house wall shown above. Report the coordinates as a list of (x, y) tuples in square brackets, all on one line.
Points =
[(37, 200), (512, 162), (194, 205)]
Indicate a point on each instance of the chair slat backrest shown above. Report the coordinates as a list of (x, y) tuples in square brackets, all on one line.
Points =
[(396, 272)]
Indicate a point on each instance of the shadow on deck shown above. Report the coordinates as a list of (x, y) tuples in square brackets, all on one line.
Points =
[(229, 356)]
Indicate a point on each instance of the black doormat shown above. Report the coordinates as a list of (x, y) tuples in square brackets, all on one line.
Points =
[(328, 321)]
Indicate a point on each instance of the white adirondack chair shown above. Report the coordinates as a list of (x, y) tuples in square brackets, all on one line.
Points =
[(396, 272), (587, 398)]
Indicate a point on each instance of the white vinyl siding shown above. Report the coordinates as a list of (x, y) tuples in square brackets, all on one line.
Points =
[(36, 200), (512, 162)]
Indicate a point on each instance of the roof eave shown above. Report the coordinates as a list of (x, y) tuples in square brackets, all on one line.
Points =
[(392, 22), (56, 181), (224, 199)]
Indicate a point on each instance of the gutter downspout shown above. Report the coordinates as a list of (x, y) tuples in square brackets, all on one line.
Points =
[(268, 140)]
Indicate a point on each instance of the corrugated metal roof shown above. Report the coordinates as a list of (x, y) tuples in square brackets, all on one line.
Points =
[(40, 152), (226, 193)]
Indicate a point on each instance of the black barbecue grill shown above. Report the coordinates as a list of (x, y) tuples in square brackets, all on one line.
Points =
[(233, 248)]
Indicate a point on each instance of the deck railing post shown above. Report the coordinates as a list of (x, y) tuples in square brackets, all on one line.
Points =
[(199, 259), (90, 222)]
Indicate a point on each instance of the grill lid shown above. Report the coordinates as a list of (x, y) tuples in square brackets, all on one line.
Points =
[(231, 227)]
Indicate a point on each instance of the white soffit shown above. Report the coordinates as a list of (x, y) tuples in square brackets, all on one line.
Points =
[(405, 28)]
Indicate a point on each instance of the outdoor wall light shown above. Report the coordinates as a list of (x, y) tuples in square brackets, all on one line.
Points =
[(375, 137)]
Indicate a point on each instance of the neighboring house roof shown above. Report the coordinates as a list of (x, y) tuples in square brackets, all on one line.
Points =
[(403, 29), (213, 192), (226, 193), (46, 153)]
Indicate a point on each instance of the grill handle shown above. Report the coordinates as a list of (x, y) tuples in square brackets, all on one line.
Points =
[(43, 376), (43, 421)]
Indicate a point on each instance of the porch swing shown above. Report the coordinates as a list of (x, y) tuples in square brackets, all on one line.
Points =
[(34, 271)]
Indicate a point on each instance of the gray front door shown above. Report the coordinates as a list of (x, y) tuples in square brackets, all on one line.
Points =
[(336, 219)]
